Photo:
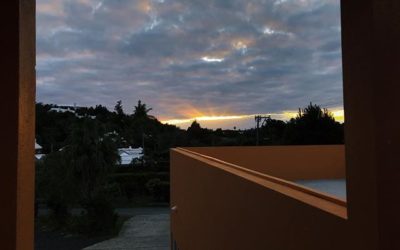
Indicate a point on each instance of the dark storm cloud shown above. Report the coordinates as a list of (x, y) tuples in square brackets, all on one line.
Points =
[(243, 57)]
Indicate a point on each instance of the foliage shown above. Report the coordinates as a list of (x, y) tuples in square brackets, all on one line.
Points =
[(81, 147), (99, 217), (141, 110), (134, 184), (52, 128), (313, 125), (271, 133), (159, 189), (119, 109), (91, 157), (55, 185), (78, 174)]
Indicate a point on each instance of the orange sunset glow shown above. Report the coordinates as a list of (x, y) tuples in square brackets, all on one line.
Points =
[(220, 63), (243, 120)]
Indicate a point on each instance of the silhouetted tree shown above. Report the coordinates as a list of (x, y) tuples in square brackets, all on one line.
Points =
[(91, 157), (119, 108), (141, 110), (79, 173), (195, 131), (55, 186), (199, 136), (272, 132), (313, 125)]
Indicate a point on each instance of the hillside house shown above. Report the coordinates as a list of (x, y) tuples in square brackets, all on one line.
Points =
[(129, 155)]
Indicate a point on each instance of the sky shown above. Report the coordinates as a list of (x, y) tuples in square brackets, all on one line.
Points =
[(222, 61)]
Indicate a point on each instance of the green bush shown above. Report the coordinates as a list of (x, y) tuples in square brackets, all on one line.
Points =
[(159, 189), (99, 218), (59, 212), (134, 184)]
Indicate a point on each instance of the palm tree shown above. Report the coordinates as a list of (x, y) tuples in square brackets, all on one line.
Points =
[(141, 110)]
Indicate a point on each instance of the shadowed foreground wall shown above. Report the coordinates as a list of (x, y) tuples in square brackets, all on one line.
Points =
[(17, 136), (218, 210)]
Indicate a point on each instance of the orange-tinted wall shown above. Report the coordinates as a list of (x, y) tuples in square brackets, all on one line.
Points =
[(219, 210), (290, 163), (17, 136)]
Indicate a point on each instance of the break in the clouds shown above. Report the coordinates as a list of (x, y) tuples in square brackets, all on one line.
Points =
[(186, 57)]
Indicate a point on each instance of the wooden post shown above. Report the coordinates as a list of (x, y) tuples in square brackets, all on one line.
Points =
[(17, 135), (371, 65)]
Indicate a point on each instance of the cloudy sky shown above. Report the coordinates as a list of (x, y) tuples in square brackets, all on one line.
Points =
[(190, 58)]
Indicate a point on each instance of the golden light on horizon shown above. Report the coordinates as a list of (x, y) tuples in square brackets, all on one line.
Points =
[(338, 114), (206, 118)]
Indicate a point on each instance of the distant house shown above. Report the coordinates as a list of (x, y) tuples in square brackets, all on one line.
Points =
[(65, 109), (38, 151), (62, 109), (129, 155)]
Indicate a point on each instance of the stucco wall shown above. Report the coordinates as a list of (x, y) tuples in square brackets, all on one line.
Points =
[(286, 162), (219, 210)]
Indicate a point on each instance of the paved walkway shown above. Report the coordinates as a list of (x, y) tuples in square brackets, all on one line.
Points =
[(147, 230), (119, 211)]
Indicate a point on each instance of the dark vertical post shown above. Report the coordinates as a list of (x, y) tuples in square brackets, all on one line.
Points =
[(258, 119), (371, 64), (17, 105)]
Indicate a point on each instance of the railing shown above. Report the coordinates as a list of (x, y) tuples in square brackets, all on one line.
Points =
[(239, 198)]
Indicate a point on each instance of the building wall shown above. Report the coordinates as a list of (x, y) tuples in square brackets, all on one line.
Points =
[(17, 106), (218, 209), (290, 163)]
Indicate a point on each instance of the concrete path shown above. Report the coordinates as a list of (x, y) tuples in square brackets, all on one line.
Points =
[(119, 211), (149, 229)]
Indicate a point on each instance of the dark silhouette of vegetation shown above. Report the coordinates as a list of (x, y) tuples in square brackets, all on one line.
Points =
[(78, 174), (119, 109), (81, 146), (313, 125), (272, 132), (54, 185), (141, 111)]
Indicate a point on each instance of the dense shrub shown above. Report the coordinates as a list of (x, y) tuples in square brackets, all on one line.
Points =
[(59, 212), (134, 184), (313, 126), (99, 217), (160, 190), (78, 175)]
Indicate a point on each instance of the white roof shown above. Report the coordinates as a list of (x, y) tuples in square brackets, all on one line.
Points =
[(37, 146), (129, 154), (39, 156), (131, 150), (62, 110)]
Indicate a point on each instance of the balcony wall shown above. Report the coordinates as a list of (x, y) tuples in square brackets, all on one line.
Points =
[(223, 203), (289, 163)]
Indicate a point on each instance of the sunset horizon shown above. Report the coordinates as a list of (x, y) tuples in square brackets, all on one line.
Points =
[(226, 120), (231, 121), (221, 66)]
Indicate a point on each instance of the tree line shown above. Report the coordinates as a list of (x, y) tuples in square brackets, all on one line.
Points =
[(313, 125), (82, 151)]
